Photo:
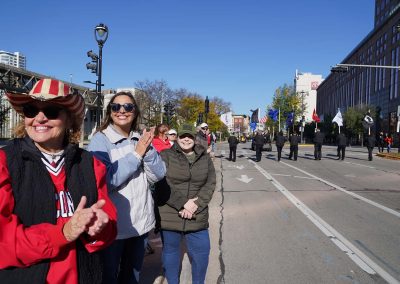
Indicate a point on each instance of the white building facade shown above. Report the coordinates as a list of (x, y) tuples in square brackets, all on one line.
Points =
[(15, 59), (306, 84)]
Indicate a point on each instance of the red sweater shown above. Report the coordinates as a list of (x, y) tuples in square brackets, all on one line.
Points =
[(160, 144), (23, 246)]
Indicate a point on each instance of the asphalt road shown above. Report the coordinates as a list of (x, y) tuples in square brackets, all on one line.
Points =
[(301, 221)]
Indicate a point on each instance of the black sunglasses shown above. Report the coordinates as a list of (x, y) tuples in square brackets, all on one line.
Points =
[(204, 128), (51, 112), (128, 107)]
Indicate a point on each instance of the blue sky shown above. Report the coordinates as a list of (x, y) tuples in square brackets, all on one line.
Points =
[(240, 51)]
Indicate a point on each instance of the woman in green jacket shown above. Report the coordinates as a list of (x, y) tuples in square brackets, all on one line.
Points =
[(183, 199)]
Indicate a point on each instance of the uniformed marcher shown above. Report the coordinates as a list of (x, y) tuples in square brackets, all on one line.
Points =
[(232, 141), (259, 142), (280, 142), (370, 145), (341, 145), (294, 145), (318, 140)]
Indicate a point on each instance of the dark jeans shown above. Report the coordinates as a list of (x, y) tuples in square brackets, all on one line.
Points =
[(294, 149), (279, 149), (341, 150), (198, 247), (123, 260), (258, 152), (370, 153), (317, 151), (232, 153)]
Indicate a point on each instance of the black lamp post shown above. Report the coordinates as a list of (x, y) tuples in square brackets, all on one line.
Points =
[(101, 35), (206, 107)]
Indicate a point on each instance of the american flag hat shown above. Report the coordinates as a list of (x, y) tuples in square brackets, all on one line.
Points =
[(51, 91)]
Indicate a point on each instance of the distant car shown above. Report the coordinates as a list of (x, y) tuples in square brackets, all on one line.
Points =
[(266, 147)]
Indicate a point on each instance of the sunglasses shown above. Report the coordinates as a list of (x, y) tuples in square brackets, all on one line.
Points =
[(204, 128), (128, 107), (51, 112)]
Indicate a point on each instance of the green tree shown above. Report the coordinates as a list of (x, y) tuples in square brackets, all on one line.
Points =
[(353, 118)]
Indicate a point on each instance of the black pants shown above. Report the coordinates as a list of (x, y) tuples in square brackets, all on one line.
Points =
[(258, 152), (370, 153), (341, 149), (279, 149), (317, 151), (294, 149), (380, 148), (232, 153)]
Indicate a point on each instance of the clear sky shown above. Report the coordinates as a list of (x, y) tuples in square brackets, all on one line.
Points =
[(240, 51)]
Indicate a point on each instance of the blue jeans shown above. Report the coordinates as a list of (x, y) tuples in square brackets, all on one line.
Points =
[(198, 247), (123, 260)]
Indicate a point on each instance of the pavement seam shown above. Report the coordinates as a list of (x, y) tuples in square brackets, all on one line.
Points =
[(221, 277)]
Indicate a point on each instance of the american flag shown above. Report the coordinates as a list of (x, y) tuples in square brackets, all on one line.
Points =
[(264, 119)]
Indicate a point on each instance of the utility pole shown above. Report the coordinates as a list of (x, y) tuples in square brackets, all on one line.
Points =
[(302, 116)]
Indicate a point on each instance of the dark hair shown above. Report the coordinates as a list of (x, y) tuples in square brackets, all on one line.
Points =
[(108, 120), (159, 127)]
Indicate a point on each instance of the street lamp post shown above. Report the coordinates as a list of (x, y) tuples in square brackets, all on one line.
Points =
[(206, 107), (101, 35), (302, 116)]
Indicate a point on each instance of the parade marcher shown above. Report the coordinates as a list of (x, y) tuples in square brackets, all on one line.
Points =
[(370, 146), (280, 142), (183, 204), (201, 136), (318, 140), (132, 166), (160, 141), (389, 142), (381, 142), (233, 142), (294, 145), (259, 142), (341, 141), (172, 135), (54, 209)]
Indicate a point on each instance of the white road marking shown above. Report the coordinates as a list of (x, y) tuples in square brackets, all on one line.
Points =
[(373, 203), (362, 260), (360, 165), (245, 178)]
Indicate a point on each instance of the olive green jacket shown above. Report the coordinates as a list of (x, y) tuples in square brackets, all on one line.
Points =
[(183, 182)]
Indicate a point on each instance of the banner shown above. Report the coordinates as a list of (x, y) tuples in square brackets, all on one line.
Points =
[(273, 114), (338, 118)]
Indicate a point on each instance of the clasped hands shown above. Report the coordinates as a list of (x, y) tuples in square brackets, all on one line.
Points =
[(144, 141), (90, 220), (189, 209)]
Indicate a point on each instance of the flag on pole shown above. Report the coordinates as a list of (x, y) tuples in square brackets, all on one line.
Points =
[(338, 118), (254, 115), (315, 116), (290, 119), (273, 114), (264, 119)]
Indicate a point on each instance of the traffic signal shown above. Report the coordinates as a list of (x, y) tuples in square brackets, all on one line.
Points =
[(92, 65), (169, 111), (339, 69)]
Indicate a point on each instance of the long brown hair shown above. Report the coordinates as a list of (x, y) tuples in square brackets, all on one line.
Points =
[(108, 120)]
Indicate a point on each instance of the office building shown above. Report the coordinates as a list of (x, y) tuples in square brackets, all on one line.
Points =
[(370, 84), (305, 85), (15, 59)]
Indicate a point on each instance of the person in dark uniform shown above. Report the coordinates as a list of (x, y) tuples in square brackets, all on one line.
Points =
[(370, 145), (232, 141), (381, 142), (280, 142), (318, 140), (341, 145), (259, 142), (294, 145)]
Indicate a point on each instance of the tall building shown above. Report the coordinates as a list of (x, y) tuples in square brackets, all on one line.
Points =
[(15, 59), (369, 85), (306, 84)]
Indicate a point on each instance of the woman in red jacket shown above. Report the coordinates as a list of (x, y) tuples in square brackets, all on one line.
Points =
[(54, 208), (160, 141)]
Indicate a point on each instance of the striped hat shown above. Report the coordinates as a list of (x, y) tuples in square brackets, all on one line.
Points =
[(52, 91)]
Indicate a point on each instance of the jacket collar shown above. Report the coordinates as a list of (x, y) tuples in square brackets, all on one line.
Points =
[(116, 137)]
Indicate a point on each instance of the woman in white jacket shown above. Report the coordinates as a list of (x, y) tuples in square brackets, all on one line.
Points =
[(132, 164)]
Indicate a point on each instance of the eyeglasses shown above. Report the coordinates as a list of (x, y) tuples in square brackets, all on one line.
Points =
[(204, 128), (128, 107), (51, 112)]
